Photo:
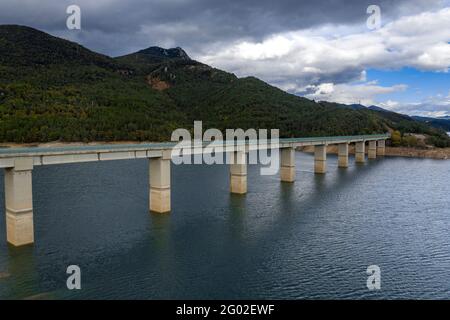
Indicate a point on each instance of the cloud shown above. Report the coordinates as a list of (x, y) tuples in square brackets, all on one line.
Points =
[(363, 93), (369, 93), (194, 24), (315, 56), (435, 106)]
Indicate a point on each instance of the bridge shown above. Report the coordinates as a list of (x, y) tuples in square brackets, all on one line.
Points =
[(19, 163)]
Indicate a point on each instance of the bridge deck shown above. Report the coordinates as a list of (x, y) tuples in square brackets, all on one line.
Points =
[(87, 153)]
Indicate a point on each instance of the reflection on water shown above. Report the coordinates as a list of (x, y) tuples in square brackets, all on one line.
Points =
[(310, 239)]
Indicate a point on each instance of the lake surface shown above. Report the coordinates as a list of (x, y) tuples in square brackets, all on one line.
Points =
[(311, 239)]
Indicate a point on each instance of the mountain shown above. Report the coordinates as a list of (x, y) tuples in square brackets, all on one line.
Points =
[(440, 123), (349, 106), (54, 89), (157, 55), (22, 46), (376, 108)]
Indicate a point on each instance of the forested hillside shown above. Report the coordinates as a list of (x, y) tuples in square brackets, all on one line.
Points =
[(52, 89)]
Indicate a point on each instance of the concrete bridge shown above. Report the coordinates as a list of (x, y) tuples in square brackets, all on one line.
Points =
[(19, 162)]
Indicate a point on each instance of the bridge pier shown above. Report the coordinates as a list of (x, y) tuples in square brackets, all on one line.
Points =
[(19, 202), (360, 150), (381, 147), (287, 164), (372, 149), (238, 172), (320, 159), (159, 170), (343, 155)]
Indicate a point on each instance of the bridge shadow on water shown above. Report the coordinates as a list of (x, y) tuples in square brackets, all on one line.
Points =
[(291, 215), (323, 188), (169, 241)]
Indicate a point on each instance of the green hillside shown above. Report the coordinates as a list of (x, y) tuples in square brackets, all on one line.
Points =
[(53, 89)]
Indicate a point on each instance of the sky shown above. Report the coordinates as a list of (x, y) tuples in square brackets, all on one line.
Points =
[(323, 50)]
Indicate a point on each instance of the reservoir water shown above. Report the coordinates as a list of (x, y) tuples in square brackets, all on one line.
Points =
[(311, 239)]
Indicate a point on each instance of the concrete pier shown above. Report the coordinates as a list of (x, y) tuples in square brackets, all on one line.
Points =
[(159, 170), (360, 150), (238, 172), (381, 147), (343, 155), (320, 159), (372, 150), (287, 164), (19, 202)]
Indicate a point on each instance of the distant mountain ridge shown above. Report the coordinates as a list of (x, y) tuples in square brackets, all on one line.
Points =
[(441, 123), (376, 108), (54, 89)]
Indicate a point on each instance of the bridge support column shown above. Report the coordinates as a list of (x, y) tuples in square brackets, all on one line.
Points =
[(287, 164), (238, 172), (320, 159), (159, 170), (360, 150), (372, 150), (19, 202), (381, 147), (343, 155)]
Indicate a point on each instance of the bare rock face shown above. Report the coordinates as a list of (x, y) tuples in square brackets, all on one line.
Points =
[(157, 84)]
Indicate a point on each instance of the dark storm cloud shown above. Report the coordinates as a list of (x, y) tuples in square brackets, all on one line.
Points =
[(318, 48), (118, 27)]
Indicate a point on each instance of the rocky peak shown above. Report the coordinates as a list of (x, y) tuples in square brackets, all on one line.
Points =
[(173, 53)]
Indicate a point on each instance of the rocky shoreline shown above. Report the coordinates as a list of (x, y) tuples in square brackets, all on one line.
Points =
[(434, 153), (430, 153)]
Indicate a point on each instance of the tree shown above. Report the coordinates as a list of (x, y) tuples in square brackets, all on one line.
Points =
[(409, 141), (396, 138)]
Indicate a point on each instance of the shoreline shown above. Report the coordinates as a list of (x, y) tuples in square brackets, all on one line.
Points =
[(434, 153), (431, 153)]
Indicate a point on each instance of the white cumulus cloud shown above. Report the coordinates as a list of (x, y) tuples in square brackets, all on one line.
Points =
[(363, 93), (435, 106), (324, 63)]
